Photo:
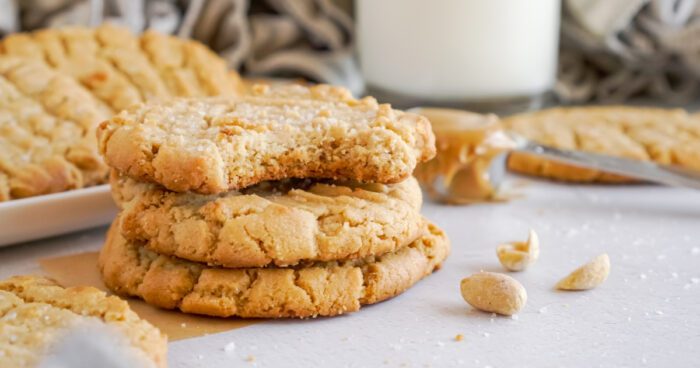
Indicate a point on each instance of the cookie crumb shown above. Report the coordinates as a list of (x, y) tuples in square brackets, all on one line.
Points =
[(230, 347), (459, 337), (250, 358)]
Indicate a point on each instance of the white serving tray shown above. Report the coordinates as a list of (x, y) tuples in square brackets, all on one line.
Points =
[(38, 217)]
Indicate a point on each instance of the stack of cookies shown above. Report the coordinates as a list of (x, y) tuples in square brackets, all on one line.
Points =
[(285, 202)]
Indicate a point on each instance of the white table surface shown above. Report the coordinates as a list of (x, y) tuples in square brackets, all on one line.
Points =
[(647, 313)]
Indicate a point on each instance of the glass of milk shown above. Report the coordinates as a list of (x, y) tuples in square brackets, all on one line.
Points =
[(478, 54)]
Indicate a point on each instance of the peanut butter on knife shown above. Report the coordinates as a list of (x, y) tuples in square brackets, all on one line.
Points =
[(466, 145)]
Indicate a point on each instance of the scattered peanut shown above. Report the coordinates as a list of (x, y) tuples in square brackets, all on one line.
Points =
[(587, 276), (494, 292), (518, 256)]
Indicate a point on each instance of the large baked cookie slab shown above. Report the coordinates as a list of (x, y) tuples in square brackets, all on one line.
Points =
[(661, 135), (47, 131), (280, 223), (319, 289), (36, 314), (57, 85), (123, 69), (213, 145)]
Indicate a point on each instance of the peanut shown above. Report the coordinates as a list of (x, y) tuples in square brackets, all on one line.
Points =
[(517, 256), (494, 292), (587, 276)]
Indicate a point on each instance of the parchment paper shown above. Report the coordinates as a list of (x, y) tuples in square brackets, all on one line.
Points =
[(81, 269)]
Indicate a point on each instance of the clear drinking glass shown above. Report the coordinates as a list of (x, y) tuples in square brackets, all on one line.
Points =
[(482, 55)]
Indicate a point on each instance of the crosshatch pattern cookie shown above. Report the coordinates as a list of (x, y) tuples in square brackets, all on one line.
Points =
[(47, 131), (57, 85), (214, 145), (252, 228), (319, 289), (35, 313), (123, 69), (662, 135)]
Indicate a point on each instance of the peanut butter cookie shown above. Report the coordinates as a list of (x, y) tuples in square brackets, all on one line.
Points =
[(123, 69), (273, 223), (57, 85), (318, 289), (213, 145), (661, 135), (36, 314), (47, 131)]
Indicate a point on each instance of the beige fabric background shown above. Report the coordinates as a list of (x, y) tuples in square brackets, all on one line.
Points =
[(616, 49)]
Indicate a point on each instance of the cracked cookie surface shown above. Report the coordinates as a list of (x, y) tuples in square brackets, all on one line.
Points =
[(36, 313), (318, 289), (662, 135), (213, 145), (273, 223)]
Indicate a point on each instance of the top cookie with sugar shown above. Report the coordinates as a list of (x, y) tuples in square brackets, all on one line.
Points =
[(212, 145)]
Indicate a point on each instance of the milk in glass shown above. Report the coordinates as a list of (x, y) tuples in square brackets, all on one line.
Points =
[(458, 50)]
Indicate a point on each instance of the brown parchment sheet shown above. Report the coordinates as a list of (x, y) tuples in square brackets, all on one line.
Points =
[(81, 269)]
